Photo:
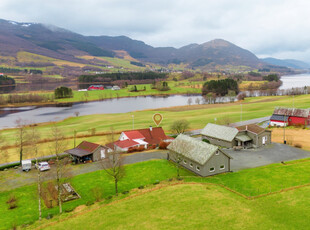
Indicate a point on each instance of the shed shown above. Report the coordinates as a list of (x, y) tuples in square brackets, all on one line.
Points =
[(87, 152), (199, 157)]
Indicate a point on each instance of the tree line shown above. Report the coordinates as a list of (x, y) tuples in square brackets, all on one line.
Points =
[(108, 77)]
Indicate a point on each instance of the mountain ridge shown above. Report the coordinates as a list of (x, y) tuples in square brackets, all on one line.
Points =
[(61, 43)]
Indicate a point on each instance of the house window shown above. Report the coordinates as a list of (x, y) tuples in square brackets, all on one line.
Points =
[(185, 162), (222, 167), (197, 168), (191, 164), (212, 169)]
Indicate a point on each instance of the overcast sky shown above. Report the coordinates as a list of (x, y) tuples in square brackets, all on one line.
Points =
[(277, 28)]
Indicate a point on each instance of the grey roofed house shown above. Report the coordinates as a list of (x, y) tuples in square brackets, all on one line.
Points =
[(246, 136), (220, 135), (200, 157), (220, 132)]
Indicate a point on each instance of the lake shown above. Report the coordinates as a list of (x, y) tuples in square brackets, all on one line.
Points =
[(121, 105), (295, 81)]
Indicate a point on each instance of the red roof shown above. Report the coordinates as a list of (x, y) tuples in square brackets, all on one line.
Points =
[(88, 146), (134, 134), (155, 136), (126, 143)]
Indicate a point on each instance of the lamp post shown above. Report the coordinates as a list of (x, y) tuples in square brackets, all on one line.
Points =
[(241, 113), (284, 141), (133, 121)]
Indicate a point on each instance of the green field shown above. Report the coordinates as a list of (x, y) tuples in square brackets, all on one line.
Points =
[(173, 204), (197, 115), (195, 207)]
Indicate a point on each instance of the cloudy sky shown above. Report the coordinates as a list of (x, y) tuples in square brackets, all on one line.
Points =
[(278, 28)]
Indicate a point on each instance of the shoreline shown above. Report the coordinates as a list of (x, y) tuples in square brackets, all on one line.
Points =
[(67, 104)]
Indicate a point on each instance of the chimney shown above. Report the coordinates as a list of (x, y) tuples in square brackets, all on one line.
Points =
[(151, 128)]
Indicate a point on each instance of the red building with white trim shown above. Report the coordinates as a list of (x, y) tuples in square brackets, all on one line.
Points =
[(290, 117)]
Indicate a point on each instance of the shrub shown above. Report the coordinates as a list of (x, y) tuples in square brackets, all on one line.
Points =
[(140, 148), (141, 187), (12, 201), (97, 193), (297, 145), (109, 198), (9, 166), (89, 203), (163, 145), (206, 140), (125, 192), (49, 216), (69, 210), (156, 182)]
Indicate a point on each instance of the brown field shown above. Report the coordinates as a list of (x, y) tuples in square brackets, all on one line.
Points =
[(293, 136)]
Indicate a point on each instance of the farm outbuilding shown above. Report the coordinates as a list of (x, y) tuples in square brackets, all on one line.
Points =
[(290, 117), (87, 152), (199, 157)]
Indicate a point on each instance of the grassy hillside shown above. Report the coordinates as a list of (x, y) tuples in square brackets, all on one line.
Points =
[(284, 196), (206, 205), (196, 207)]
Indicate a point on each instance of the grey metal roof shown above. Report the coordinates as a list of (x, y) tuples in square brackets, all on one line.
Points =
[(243, 137), (291, 112), (219, 132), (192, 148), (276, 117)]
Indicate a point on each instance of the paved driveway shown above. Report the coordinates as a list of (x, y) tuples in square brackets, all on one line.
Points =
[(273, 153)]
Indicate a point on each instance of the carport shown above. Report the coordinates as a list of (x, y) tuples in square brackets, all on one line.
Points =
[(244, 140)]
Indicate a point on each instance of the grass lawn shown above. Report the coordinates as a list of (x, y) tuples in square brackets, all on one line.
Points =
[(197, 115), (136, 175), (195, 207), (246, 182)]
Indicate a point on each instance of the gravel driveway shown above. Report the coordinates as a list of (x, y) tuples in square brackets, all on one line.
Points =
[(273, 153)]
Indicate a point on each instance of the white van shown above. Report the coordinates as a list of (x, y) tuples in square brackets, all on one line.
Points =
[(26, 165)]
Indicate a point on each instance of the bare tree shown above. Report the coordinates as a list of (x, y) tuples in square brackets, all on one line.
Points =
[(21, 137), (3, 150), (179, 126), (177, 158), (189, 101), (33, 136), (113, 164), (58, 146), (197, 101)]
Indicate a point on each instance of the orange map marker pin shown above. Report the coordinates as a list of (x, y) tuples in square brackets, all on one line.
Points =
[(157, 118)]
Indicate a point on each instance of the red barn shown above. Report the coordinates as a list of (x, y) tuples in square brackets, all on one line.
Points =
[(290, 116), (96, 87)]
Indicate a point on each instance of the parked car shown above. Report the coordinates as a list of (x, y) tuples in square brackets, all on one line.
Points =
[(26, 165), (42, 166)]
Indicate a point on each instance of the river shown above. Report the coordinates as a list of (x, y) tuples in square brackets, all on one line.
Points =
[(121, 105)]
